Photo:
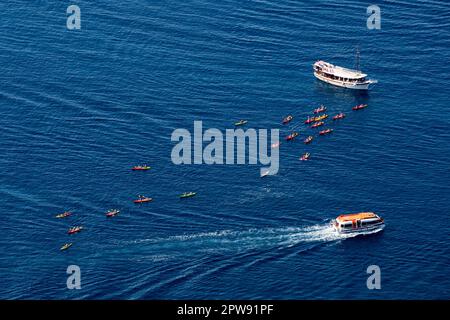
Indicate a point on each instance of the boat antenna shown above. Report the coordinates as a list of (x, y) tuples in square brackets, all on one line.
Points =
[(358, 67)]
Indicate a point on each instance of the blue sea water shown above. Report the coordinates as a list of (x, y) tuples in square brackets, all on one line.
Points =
[(79, 108)]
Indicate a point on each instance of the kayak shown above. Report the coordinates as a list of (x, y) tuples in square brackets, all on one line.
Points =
[(66, 246), (317, 124), (275, 145), (308, 140), (339, 116), (64, 215), (324, 132), (140, 168), (359, 107), (240, 123), (305, 156), (75, 230), (309, 120), (112, 213), (320, 118), (187, 195), (143, 200), (288, 119), (320, 109), (292, 136)]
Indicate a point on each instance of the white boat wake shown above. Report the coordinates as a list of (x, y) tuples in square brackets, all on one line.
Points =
[(239, 241)]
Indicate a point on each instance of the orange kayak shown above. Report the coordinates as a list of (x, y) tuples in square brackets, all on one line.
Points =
[(317, 124)]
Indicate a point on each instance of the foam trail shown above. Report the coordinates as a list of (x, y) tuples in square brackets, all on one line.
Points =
[(318, 233), (228, 240)]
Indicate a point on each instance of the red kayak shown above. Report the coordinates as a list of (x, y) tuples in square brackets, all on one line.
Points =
[(361, 106), (143, 200), (292, 136), (305, 157), (75, 230), (310, 120), (112, 213), (320, 109), (339, 116), (317, 124), (140, 168), (288, 119), (308, 140), (324, 132)]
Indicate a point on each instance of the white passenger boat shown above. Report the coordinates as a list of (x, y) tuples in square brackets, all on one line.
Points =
[(363, 223), (342, 77)]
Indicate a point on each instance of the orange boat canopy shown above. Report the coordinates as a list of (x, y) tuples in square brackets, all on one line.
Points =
[(356, 216)]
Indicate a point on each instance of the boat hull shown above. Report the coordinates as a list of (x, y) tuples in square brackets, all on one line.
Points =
[(143, 200), (361, 230), (343, 84)]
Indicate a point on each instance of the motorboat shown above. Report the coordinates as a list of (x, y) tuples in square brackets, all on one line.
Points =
[(362, 222)]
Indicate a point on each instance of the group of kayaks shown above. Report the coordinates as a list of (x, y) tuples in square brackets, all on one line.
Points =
[(114, 212), (71, 230), (316, 121), (144, 199), (77, 229)]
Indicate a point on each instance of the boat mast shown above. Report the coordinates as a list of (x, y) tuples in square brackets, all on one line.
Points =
[(358, 67)]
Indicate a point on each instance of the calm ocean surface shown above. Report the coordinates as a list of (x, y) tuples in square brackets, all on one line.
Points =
[(79, 108)]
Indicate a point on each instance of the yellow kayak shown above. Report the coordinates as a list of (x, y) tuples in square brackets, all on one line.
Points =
[(66, 246), (64, 215), (320, 118)]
